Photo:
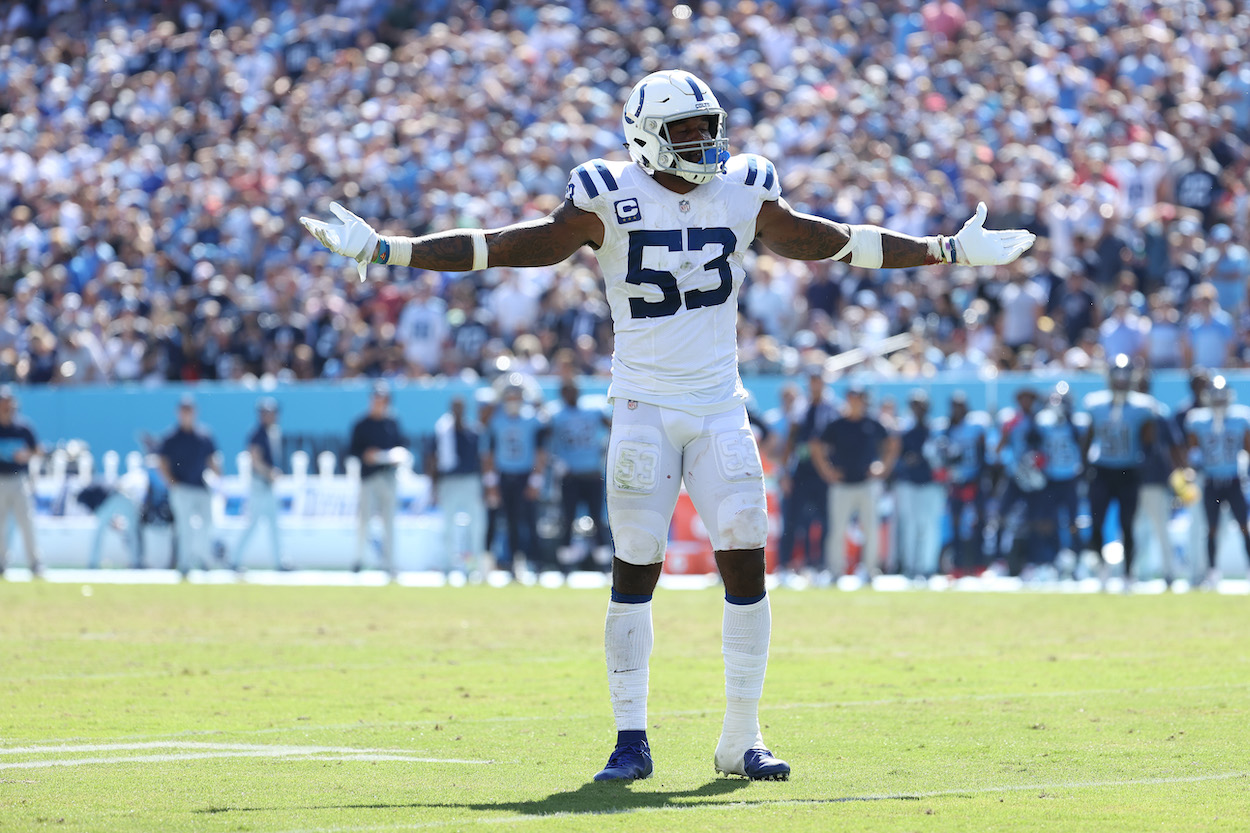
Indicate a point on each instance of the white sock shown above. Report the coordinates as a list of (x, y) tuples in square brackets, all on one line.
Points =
[(627, 641), (745, 635)]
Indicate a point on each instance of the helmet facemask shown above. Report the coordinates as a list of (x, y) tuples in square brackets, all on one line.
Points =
[(672, 158), (662, 99)]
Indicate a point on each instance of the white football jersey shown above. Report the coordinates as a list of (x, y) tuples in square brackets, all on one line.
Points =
[(672, 266)]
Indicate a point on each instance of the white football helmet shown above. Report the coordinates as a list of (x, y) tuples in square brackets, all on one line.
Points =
[(669, 96)]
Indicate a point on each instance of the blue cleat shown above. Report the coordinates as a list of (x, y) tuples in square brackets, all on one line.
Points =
[(757, 763), (762, 765), (628, 762)]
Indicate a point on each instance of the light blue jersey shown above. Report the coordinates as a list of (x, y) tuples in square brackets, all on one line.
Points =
[(958, 445), (515, 441), (1061, 442), (1220, 440), (1117, 428), (577, 439)]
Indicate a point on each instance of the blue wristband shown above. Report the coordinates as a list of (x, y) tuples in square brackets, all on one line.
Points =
[(384, 251)]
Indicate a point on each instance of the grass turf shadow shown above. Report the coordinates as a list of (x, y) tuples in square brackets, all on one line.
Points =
[(604, 797)]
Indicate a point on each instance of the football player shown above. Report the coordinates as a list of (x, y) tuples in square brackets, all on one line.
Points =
[(1220, 432), (960, 442), (1062, 431), (671, 227), (1122, 425)]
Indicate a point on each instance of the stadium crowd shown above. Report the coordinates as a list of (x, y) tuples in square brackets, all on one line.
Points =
[(155, 157)]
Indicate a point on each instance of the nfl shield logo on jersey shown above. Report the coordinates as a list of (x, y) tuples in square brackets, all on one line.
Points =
[(684, 205), (632, 405)]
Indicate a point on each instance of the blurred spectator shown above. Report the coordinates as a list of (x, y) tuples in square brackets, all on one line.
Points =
[(154, 160), (187, 454), (422, 330), (1165, 337), (853, 454), (1210, 340), (1074, 302), (379, 445), (1155, 496), (961, 446), (1123, 330), (17, 446), (118, 506), (455, 470), (1227, 266), (513, 468), (578, 443), (919, 499), (804, 493), (264, 446), (1021, 302)]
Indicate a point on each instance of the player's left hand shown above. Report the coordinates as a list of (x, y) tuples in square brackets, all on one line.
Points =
[(351, 236), (975, 245)]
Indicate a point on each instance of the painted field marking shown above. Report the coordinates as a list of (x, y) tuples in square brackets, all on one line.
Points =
[(192, 751)]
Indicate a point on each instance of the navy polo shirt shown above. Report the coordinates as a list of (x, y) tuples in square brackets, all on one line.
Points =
[(188, 453), (382, 433), (913, 466), (1157, 467), (14, 437), (268, 445), (854, 445)]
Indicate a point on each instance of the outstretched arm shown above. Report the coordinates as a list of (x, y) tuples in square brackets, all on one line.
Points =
[(540, 242), (806, 237)]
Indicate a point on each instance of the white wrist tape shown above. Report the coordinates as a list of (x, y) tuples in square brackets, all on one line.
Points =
[(400, 252), (479, 249), (864, 246)]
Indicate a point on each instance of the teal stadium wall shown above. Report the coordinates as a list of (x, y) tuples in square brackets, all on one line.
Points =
[(316, 416)]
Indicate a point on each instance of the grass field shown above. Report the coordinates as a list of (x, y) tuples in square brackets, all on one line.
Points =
[(246, 708)]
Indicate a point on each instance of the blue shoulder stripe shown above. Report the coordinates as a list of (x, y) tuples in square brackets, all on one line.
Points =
[(588, 181), (608, 179), (768, 176), (752, 171)]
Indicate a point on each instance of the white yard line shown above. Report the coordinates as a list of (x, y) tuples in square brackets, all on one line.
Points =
[(191, 751), (39, 749)]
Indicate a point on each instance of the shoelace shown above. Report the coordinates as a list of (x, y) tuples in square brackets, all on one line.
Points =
[(621, 751)]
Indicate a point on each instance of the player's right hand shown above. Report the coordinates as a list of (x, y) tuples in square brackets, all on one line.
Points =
[(351, 236)]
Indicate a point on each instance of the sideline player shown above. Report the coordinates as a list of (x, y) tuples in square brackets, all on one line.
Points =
[(1062, 429), (265, 447), (17, 446), (1122, 425), (671, 229), (1220, 431), (961, 441)]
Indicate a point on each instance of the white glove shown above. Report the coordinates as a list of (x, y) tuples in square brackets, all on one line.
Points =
[(976, 246), (351, 236)]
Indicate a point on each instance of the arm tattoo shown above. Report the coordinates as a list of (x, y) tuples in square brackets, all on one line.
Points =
[(902, 251), (805, 237), (447, 251), (540, 242), (536, 243), (808, 238)]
